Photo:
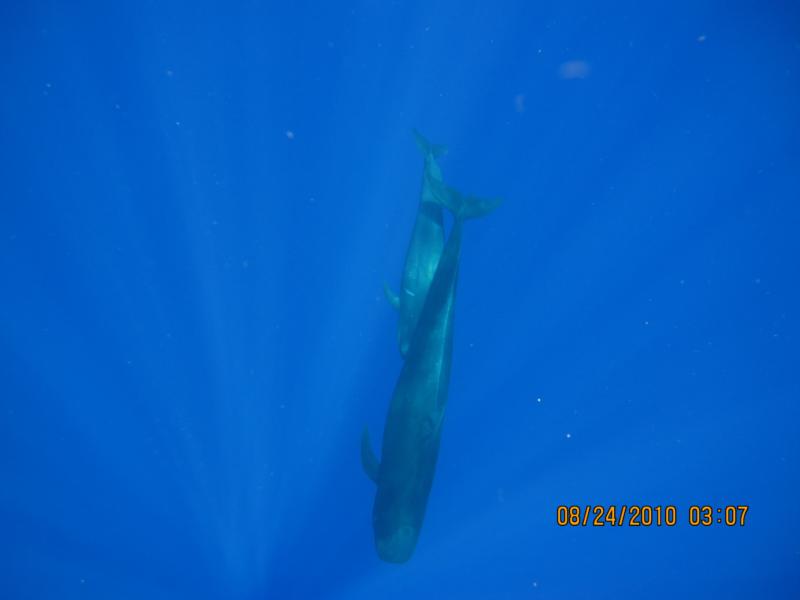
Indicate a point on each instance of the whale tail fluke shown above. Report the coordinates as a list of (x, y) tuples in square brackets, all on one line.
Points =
[(428, 149), (463, 207)]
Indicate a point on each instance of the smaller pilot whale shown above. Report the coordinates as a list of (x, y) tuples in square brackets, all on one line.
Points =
[(424, 249)]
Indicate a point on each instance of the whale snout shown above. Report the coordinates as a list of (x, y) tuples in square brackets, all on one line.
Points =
[(399, 546)]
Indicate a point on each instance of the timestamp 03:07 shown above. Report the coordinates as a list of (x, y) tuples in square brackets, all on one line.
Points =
[(648, 515)]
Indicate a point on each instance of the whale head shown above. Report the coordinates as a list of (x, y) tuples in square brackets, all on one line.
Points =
[(396, 544)]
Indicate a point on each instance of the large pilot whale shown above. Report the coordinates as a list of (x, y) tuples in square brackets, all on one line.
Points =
[(412, 432), (424, 249)]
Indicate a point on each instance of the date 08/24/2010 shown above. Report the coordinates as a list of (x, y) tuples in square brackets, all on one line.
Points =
[(647, 515)]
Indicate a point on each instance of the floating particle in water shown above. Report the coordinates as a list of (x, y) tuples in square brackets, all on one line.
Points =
[(290, 134), (573, 69), (519, 103)]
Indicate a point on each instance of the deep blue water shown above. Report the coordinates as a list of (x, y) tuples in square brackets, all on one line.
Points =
[(200, 204)]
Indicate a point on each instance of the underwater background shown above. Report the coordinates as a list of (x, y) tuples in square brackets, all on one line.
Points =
[(200, 203)]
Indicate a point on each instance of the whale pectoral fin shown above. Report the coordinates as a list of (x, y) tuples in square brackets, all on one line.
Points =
[(393, 298), (368, 459)]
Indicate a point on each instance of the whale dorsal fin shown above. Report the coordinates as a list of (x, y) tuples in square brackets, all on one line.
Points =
[(368, 459), (393, 298)]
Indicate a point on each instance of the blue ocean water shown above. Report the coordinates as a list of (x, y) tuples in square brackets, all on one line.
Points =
[(200, 205)]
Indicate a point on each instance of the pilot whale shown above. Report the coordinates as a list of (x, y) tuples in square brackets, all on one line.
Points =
[(412, 432), (424, 248)]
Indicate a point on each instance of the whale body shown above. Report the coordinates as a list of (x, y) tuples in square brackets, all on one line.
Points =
[(424, 248), (412, 432)]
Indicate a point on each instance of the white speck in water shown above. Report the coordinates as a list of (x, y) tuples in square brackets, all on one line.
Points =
[(519, 103), (569, 436), (574, 69), (290, 134)]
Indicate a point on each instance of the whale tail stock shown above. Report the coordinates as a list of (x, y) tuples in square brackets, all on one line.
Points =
[(428, 149), (462, 207)]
